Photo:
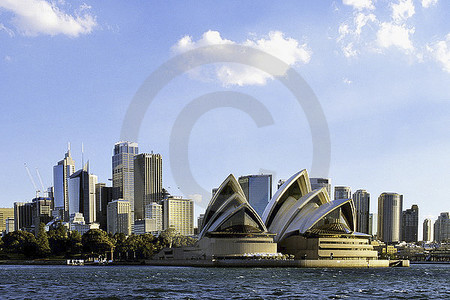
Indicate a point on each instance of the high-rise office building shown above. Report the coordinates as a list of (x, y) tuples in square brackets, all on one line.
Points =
[(200, 222), (442, 228), (257, 190), (119, 217), (370, 224), (155, 211), (103, 195), (389, 217), (5, 213), (41, 209), (178, 214), (82, 194), (147, 182), (317, 183), (361, 199), (61, 174), (410, 224), (342, 192), (123, 171), (9, 225), (23, 216), (426, 230)]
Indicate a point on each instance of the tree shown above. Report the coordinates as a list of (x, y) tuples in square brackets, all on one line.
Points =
[(168, 236), (43, 247), (58, 239), (20, 242), (96, 241), (74, 245)]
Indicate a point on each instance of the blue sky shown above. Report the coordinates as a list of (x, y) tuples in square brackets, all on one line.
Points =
[(380, 69)]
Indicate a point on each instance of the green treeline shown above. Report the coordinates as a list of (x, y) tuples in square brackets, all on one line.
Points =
[(61, 243)]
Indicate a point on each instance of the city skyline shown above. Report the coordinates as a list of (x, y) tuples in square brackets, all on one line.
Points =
[(385, 98)]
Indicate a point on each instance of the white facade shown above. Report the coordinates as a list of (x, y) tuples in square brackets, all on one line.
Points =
[(155, 211), (179, 214), (119, 217)]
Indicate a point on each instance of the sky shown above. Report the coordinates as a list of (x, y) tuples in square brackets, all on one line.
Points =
[(380, 70)]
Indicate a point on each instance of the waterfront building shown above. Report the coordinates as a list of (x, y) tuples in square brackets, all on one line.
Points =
[(147, 182), (389, 217), (257, 190), (154, 211), (82, 194), (178, 214), (306, 224), (5, 213), (23, 216), (361, 199), (318, 183), (410, 224), (123, 171), (231, 227), (61, 174), (103, 195), (119, 217), (442, 228), (342, 192), (9, 225), (426, 230)]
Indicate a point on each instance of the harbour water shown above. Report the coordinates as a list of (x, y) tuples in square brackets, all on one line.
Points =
[(146, 282)]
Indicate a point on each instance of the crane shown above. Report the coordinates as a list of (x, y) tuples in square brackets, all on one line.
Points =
[(32, 181), (42, 184)]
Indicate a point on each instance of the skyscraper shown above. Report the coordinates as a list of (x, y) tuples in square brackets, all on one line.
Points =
[(178, 214), (82, 194), (103, 195), (147, 182), (257, 190), (61, 174), (410, 224), (317, 183), (123, 171), (426, 230), (5, 213), (361, 199), (442, 228), (342, 192), (389, 217), (119, 217)]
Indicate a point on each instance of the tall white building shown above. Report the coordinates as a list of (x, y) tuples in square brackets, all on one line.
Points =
[(179, 214), (361, 199), (61, 174), (154, 211), (119, 217), (426, 230), (147, 182), (123, 171), (82, 194), (390, 207)]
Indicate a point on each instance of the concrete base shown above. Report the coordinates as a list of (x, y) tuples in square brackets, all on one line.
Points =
[(268, 263)]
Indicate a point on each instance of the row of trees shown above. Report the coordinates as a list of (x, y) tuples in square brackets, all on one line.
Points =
[(59, 242)]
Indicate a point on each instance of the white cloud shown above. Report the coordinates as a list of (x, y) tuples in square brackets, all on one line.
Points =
[(394, 35), (35, 17), (8, 58), (361, 20), (348, 50), (428, 3), (286, 49), (359, 4), (403, 10), (441, 52)]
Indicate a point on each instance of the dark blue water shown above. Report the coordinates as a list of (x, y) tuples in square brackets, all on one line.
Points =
[(145, 282)]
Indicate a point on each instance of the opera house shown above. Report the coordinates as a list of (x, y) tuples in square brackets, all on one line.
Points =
[(300, 226), (298, 221)]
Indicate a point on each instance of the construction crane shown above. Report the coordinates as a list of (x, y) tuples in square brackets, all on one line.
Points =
[(32, 181), (42, 184)]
